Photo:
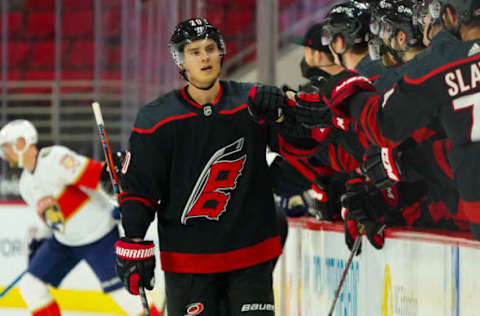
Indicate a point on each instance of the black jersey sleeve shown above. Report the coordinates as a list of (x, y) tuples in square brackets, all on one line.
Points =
[(391, 117), (145, 181)]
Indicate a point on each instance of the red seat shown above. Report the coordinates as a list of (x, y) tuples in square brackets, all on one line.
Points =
[(113, 56), (77, 75), (111, 75), (40, 24), (111, 23), (110, 4), (14, 24), (238, 21), (43, 55), (77, 23), (81, 55), (216, 17), (14, 75), (78, 4), (46, 75), (39, 76), (18, 53), (42, 4)]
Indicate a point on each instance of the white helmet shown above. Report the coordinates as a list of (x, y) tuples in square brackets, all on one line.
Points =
[(10, 133)]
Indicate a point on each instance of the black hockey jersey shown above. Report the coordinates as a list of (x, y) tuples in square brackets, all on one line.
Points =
[(202, 170), (445, 86)]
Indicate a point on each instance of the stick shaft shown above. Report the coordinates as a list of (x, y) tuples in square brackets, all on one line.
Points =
[(114, 178), (356, 246), (12, 284)]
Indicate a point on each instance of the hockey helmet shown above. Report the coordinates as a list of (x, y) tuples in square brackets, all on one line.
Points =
[(349, 20), (401, 18), (10, 133), (465, 10), (191, 30)]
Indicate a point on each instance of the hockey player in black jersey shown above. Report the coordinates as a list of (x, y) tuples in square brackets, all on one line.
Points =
[(346, 32), (444, 86), (196, 160)]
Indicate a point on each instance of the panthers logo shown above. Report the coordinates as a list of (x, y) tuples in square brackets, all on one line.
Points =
[(51, 214)]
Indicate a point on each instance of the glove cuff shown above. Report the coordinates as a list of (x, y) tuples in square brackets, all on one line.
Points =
[(131, 250)]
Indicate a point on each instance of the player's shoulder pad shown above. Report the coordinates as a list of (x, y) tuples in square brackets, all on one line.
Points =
[(236, 93), (444, 49), (235, 89), (159, 111), (51, 152)]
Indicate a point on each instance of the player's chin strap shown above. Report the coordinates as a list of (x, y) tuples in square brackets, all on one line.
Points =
[(183, 72), (20, 154)]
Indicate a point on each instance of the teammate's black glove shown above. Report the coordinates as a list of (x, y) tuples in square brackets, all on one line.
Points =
[(342, 86), (117, 158), (359, 207), (33, 246), (135, 264), (266, 103), (381, 167), (311, 111), (320, 205)]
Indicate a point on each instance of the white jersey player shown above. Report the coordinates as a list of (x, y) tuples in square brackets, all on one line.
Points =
[(64, 189)]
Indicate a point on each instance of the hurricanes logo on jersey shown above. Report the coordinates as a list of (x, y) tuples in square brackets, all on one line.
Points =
[(210, 196), (50, 212)]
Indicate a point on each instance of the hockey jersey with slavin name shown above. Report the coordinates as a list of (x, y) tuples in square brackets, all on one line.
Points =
[(64, 190)]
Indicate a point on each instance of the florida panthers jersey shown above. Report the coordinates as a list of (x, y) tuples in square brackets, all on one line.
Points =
[(64, 190)]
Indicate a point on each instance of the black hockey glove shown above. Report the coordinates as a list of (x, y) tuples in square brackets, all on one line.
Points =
[(33, 246), (363, 206), (311, 111), (342, 86), (135, 264), (266, 103), (319, 203), (381, 167), (118, 159)]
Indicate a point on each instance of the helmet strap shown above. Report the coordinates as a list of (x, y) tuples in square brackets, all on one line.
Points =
[(183, 73), (20, 154)]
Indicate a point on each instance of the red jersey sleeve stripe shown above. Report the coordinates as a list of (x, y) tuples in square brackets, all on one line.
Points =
[(440, 158), (289, 150), (123, 197), (90, 175), (439, 70), (333, 158), (370, 123), (235, 110), (163, 122)]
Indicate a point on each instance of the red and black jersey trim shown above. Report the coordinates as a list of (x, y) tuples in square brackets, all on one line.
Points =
[(180, 262), (288, 150), (369, 123), (233, 111), (163, 122), (125, 196), (440, 150), (441, 69), (187, 97)]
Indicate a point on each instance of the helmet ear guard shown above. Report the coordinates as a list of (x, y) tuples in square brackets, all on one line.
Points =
[(10, 133)]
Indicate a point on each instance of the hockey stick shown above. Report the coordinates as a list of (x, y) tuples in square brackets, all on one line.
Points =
[(113, 178), (12, 284), (356, 246)]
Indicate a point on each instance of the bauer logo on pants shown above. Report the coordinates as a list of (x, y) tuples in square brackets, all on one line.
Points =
[(257, 307)]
